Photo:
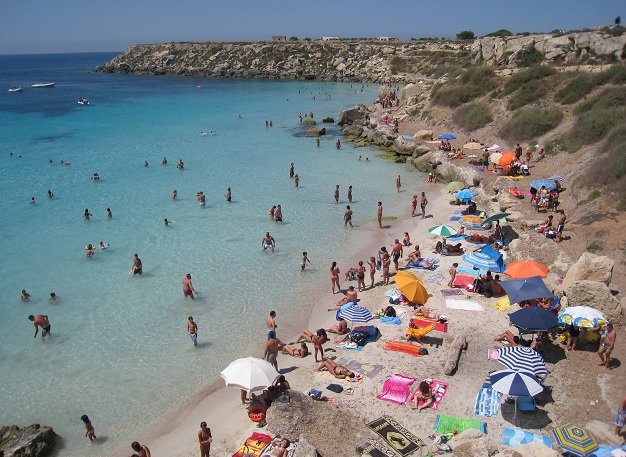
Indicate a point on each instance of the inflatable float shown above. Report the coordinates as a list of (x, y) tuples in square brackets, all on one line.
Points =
[(401, 346)]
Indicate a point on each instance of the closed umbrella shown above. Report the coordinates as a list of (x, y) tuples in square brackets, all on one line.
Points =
[(250, 374), (455, 186), (355, 314), (582, 316), (411, 287), (446, 136), (533, 319), (575, 440), (507, 159), (520, 290), (466, 195), (496, 217), (526, 269), (539, 183), (522, 358), (443, 230)]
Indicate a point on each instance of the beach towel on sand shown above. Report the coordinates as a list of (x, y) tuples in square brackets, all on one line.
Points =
[(435, 278), (445, 424), (396, 389), (462, 280), (502, 304), (513, 438), (439, 390), (451, 292), (369, 370), (267, 452), (254, 445), (467, 305), (487, 401), (400, 439), (419, 267)]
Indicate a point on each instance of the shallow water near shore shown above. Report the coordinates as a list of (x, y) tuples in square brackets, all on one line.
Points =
[(119, 351)]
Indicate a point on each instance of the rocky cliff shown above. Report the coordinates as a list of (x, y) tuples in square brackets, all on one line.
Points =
[(364, 60)]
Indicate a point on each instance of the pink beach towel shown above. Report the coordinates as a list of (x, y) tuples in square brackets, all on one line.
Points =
[(396, 389), (439, 390)]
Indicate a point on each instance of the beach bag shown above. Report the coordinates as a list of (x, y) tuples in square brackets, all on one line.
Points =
[(335, 388), (357, 337)]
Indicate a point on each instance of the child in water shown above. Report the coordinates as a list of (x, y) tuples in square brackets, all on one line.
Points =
[(91, 432), (305, 259)]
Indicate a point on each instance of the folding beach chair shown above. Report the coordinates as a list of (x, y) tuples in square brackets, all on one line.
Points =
[(526, 404), (419, 332)]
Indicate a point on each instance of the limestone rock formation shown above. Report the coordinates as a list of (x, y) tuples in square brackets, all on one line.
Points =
[(594, 294), (357, 115), (469, 443), (424, 134), (328, 120), (34, 441), (309, 122), (316, 131), (590, 267)]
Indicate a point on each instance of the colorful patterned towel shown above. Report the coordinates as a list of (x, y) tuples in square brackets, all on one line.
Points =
[(462, 281), (487, 401), (345, 383), (445, 424), (451, 292), (366, 369), (396, 389), (375, 449), (513, 438), (254, 445), (419, 267), (435, 278), (399, 438), (455, 218)]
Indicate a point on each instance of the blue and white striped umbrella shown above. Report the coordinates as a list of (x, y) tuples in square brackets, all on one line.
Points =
[(484, 261), (355, 314), (521, 358), (516, 383)]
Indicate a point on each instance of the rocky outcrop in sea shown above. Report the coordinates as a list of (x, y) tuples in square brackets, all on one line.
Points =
[(32, 441)]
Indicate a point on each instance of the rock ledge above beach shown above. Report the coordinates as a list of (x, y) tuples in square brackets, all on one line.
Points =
[(34, 440)]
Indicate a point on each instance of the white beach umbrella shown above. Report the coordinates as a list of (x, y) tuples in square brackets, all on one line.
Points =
[(250, 374), (495, 157)]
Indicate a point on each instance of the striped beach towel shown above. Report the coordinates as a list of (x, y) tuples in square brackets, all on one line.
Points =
[(512, 437), (487, 401)]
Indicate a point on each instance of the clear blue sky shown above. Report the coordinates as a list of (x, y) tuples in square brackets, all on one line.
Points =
[(36, 26)]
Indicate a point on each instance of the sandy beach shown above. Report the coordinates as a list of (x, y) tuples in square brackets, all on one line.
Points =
[(576, 390)]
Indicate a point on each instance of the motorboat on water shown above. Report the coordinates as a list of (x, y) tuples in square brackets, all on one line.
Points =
[(83, 101), (16, 89), (35, 86)]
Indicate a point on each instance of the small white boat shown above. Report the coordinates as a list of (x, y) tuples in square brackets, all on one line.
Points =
[(35, 86), (16, 89), (83, 101)]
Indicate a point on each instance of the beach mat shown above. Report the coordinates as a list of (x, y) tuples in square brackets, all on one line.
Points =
[(462, 281), (513, 438), (254, 445), (366, 369), (419, 267), (456, 238), (466, 305), (399, 438), (487, 401), (451, 292), (609, 451), (403, 346), (445, 424), (455, 218), (461, 269), (374, 450), (396, 389), (267, 452)]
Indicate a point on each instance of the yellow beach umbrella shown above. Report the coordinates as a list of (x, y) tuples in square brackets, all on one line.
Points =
[(411, 287)]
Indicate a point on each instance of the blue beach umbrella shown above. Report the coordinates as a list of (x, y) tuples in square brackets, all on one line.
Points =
[(487, 259), (355, 314), (516, 383), (446, 136), (522, 358), (539, 183), (466, 195), (533, 319), (523, 289)]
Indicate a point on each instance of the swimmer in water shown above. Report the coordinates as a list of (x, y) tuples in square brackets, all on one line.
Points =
[(202, 134), (32, 201), (95, 176), (49, 194), (53, 297), (174, 194), (268, 242), (164, 161), (25, 295), (145, 163), (166, 223), (180, 165), (89, 251), (201, 198), (228, 195), (87, 214), (102, 245), (109, 214)]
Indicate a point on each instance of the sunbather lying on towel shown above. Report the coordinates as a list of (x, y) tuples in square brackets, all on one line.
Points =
[(341, 328), (516, 340), (338, 371), (301, 352), (421, 310), (425, 393), (423, 264), (318, 339), (281, 448), (440, 247)]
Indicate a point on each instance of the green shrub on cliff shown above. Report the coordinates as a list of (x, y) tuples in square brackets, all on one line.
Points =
[(528, 93), (533, 57), (473, 83), (472, 116), (523, 77), (575, 90), (501, 32), (465, 35), (529, 123)]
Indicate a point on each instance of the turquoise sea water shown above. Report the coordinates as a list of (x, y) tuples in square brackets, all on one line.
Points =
[(119, 351)]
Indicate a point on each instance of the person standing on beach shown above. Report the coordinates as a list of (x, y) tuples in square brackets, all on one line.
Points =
[(137, 266), (386, 261), (423, 204), (205, 439), (140, 449), (291, 170), (188, 289), (620, 418), (337, 193), (91, 432), (270, 323), (413, 205), (398, 183), (380, 214), (350, 194), (347, 217), (561, 226), (396, 251), (607, 343), (40, 320), (372, 264), (452, 274), (87, 214), (334, 277), (192, 330), (271, 349)]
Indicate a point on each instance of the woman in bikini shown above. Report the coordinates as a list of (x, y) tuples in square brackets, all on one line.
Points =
[(334, 277), (318, 340), (421, 310), (386, 263), (425, 393), (205, 439), (303, 351), (338, 371), (360, 276), (372, 264)]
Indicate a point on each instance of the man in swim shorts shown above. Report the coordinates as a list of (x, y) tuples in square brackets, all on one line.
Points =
[(271, 349), (337, 193), (347, 217), (268, 242), (192, 330), (607, 343), (188, 289), (270, 322), (396, 251), (40, 320), (201, 198), (137, 265)]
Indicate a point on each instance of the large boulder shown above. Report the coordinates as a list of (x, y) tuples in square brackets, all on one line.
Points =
[(358, 114), (596, 295), (316, 131), (328, 120), (502, 184), (424, 135), (590, 267), (406, 147), (309, 122), (31, 441), (469, 443)]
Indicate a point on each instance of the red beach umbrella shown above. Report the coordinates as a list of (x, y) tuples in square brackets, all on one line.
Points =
[(526, 269)]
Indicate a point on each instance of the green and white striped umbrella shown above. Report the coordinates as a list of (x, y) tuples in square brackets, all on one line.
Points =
[(443, 230)]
